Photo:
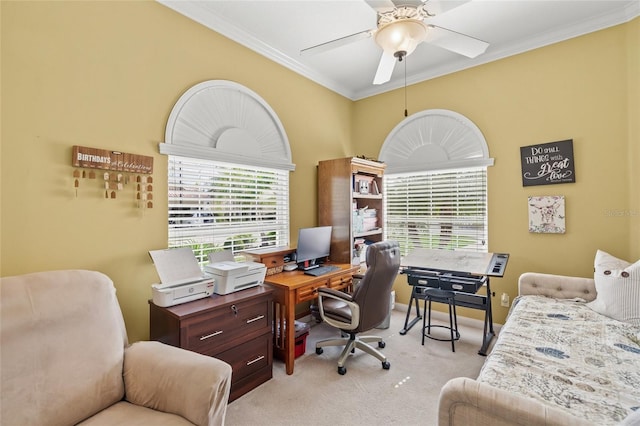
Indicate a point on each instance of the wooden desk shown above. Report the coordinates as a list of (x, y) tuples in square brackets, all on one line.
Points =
[(295, 287)]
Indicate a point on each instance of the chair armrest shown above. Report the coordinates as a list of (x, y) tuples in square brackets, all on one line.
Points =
[(174, 380), (464, 401), (341, 297), (556, 286), (335, 294)]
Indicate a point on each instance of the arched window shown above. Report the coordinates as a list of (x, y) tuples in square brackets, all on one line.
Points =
[(436, 183), (228, 177)]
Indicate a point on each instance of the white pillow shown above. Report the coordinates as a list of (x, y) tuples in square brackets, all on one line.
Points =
[(617, 287)]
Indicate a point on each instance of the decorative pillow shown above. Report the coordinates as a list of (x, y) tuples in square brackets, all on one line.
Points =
[(618, 288)]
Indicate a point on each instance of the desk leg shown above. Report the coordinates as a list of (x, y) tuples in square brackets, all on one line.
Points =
[(488, 333), (290, 343), (284, 317), (407, 325)]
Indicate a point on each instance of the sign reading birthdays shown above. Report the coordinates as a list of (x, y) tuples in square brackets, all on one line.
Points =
[(548, 163)]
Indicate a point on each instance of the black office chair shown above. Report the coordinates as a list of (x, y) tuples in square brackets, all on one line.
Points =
[(366, 308)]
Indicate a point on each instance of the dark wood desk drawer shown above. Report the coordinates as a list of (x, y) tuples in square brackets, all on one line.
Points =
[(236, 328), (251, 365), (215, 331), (250, 357)]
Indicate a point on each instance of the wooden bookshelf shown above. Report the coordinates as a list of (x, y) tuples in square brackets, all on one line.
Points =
[(348, 185)]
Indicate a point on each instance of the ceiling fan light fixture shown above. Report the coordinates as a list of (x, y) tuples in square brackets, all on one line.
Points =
[(402, 35)]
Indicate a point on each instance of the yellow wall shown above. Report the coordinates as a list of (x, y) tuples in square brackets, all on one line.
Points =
[(633, 95), (585, 89), (106, 75)]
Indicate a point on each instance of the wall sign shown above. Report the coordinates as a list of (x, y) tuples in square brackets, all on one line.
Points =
[(119, 169), (548, 163), (111, 160)]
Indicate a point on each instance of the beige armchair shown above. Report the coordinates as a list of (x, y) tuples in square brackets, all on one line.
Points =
[(65, 360)]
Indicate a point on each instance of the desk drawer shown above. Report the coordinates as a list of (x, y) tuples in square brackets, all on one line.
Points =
[(215, 331), (424, 280), (273, 261), (249, 357), (310, 291), (341, 282)]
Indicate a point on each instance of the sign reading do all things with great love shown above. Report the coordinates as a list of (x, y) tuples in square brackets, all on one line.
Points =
[(548, 163)]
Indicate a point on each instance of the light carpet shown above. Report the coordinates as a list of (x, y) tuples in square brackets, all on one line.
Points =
[(406, 394)]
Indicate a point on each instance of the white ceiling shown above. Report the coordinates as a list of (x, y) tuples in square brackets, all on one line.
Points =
[(280, 29)]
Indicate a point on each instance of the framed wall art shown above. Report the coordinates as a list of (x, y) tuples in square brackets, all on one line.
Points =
[(548, 163), (546, 214)]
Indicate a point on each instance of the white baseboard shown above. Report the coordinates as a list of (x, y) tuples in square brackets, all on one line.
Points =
[(444, 316)]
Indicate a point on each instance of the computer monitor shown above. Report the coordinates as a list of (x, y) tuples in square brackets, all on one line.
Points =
[(314, 245)]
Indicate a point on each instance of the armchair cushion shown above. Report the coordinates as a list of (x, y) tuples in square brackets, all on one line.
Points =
[(169, 379)]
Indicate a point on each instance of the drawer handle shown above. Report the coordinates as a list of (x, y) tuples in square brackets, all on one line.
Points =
[(255, 360), (249, 321), (208, 336)]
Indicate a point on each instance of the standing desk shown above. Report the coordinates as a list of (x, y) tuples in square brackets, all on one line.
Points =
[(462, 272), (291, 288)]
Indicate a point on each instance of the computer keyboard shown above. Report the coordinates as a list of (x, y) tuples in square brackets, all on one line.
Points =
[(322, 270)]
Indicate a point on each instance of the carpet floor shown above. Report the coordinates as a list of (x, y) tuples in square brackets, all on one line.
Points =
[(406, 394)]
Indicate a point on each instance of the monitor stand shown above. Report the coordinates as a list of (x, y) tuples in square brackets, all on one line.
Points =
[(309, 264)]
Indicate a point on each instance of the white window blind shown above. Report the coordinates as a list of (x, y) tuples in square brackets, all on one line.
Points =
[(215, 206), (444, 209)]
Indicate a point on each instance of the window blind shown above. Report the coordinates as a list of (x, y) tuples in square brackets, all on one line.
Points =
[(444, 209), (215, 206)]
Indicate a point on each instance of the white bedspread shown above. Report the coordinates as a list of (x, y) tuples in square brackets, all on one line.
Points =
[(563, 353)]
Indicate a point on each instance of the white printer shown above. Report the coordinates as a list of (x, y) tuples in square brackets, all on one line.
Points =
[(233, 276), (181, 278)]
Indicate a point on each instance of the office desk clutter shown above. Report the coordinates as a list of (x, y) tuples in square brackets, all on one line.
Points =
[(183, 280), (233, 276), (364, 219)]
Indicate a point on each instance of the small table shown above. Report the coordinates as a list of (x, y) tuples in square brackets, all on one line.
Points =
[(291, 288)]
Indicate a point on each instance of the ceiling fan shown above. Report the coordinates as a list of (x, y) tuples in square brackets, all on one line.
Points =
[(401, 26)]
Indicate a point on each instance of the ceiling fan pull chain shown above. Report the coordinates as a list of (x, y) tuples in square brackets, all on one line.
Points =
[(405, 87)]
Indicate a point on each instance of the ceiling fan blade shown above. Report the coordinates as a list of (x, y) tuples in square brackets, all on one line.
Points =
[(456, 42), (436, 7), (342, 41), (380, 5), (385, 68)]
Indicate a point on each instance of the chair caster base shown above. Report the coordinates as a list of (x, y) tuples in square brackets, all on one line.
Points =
[(386, 365)]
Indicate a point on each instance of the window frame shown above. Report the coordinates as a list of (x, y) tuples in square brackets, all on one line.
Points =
[(415, 206), (213, 206)]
